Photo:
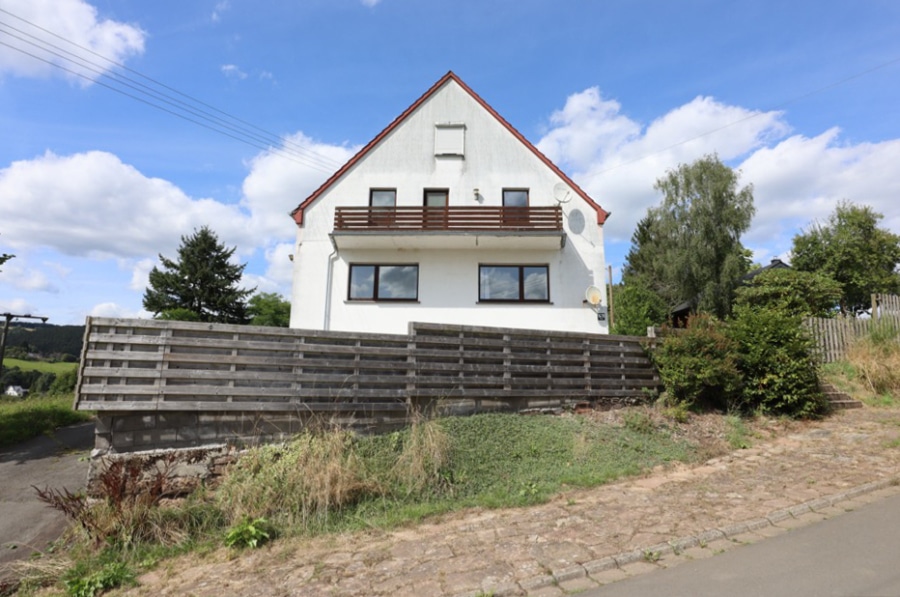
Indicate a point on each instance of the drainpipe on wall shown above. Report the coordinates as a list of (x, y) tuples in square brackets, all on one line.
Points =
[(326, 324)]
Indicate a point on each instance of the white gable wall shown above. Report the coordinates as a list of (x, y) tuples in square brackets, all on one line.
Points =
[(448, 278)]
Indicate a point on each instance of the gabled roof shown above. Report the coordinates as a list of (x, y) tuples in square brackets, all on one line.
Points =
[(297, 214)]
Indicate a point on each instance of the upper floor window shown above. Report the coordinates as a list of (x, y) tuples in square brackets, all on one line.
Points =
[(515, 197), (514, 283), (383, 197), (450, 139), (436, 197), (377, 282), (517, 200)]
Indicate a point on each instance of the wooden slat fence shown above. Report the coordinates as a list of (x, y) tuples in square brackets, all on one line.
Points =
[(833, 337), (131, 365)]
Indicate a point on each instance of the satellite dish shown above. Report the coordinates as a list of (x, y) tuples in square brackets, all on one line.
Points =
[(562, 193), (593, 295)]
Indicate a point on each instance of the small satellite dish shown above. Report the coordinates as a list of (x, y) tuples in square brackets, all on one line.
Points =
[(593, 295), (562, 193)]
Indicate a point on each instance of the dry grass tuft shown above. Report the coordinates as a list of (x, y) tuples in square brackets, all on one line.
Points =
[(425, 456), (297, 484), (876, 358)]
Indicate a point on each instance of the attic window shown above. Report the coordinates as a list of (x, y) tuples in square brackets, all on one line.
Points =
[(450, 139)]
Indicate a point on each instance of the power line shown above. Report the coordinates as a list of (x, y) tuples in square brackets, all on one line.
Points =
[(236, 128)]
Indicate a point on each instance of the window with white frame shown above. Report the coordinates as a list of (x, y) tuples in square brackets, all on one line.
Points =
[(450, 139), (383, 282), (514, 283)]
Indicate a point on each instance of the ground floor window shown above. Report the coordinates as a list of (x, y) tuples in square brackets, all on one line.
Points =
[(514, 283), (394, 282)]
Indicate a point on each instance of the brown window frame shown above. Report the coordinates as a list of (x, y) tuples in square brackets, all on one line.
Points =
[(515, 216), (382, 216), (521, 268), (375, 283), (434, 217)]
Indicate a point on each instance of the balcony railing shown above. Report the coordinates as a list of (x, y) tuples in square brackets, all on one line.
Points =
[(455, 218)]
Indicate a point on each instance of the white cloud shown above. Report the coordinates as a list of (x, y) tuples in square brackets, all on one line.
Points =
[(801, 179), (76, 26), (116, 310), (233, 71), (277, 184), (587, 130), (106, 215), (93, 205), (796, 178), (17, 306), (370, 3), (19, 275), (140, 274), (219, 9)]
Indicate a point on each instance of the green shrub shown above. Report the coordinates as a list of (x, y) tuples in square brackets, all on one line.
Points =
[(637, 307), (776, 363), (698, 365), (80, 582), (249, 533)]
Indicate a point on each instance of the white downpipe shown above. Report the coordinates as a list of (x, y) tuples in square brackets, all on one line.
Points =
[(326, 324)]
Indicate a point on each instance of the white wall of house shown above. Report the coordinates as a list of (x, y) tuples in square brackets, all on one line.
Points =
[(448, 278)]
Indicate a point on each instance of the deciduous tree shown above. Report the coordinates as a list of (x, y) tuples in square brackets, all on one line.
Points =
[(792, 292), (854, 251), (201, 284), (269, 308), (688, 248)]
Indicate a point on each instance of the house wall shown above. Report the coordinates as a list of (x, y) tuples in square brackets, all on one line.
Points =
[(448, 278)]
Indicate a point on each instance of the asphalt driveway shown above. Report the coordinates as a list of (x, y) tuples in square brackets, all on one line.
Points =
[(60, 461)]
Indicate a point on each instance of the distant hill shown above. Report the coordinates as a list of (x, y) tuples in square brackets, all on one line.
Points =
[(45, 339)]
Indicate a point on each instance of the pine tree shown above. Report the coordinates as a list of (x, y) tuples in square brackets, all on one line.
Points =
[(202, 285)]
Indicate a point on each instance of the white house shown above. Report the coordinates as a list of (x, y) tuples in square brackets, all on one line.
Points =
[(449, 215), (17, 391)]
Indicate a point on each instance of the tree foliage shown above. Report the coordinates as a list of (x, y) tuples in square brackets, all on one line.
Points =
[(688, 248), (201, 284), (698, 365), (269, 308), (854, 251), (792, 292), (775, 360), (636, 308)]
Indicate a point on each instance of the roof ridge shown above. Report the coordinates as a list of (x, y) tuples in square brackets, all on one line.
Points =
[(297, 213)]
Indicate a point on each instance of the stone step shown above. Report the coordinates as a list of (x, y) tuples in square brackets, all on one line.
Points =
[(838, 399)]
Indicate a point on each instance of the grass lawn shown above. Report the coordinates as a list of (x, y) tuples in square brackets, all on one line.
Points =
[(336, 481), (21, 420), (42, 366)]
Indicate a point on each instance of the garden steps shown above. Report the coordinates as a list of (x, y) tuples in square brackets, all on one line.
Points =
[(838, 399)]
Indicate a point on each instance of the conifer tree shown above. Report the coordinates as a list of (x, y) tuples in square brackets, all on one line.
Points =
[(202, 285)]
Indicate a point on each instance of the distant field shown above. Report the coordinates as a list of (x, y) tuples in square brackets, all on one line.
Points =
[(41, 366)]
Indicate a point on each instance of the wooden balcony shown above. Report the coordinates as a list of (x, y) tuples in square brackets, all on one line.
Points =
[(523, 219), (448, 227)]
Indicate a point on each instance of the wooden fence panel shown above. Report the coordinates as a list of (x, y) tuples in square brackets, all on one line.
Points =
[(150, 365), (833, 337)]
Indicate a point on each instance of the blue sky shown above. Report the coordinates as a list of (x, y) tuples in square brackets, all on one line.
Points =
[(801, 96)]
